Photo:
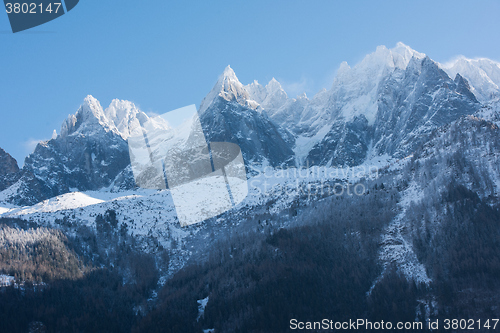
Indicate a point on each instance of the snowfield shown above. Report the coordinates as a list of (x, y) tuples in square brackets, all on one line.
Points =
[(152, 212)]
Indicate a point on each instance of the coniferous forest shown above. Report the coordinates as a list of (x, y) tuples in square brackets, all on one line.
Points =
[(324, 264)]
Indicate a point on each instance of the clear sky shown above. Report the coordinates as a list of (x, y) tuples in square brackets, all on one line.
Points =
[(164, 54)]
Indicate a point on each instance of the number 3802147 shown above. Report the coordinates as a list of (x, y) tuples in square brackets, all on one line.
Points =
[(32, 8)]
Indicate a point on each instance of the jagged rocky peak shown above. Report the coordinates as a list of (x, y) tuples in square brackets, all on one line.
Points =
[(120, 110), (412, 105), (89, 154), (229, 114), (256, 91), (391, 101), (482, 74), (343, 69), (90, 116), (355, 89), (129, 120), (8, 164), (276, 96), (435, 77), (427, 68), (463, 87), (270, 97), (402, 54), (274, 87), (378, 63), (229, 88), (253, 95), (121, 117), (459, 79)]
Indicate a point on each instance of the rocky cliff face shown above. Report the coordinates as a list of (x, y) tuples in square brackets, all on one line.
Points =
[(389, 103), (229, 115), (9, 170), (415, 102)]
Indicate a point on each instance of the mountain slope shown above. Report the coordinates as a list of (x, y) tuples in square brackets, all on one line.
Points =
[(424, 99)]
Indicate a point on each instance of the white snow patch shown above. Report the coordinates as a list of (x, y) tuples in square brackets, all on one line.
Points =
[(6, 280), (396, 249), (66, 201), (4, 210), (304, 144), (202, 303)]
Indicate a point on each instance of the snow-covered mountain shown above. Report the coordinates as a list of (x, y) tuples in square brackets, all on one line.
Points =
[(355, 91), (90, 153), (425, 99), (270, 97), (388, 105), (428, 135), (228, 114)]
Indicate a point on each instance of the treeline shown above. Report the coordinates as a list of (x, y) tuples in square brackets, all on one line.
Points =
[(321, 266), (324, 269), (455, 228), (462, 254), (98, 302), (37, 255), (108, 294)]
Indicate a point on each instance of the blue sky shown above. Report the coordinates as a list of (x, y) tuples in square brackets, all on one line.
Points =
[(164, 55)]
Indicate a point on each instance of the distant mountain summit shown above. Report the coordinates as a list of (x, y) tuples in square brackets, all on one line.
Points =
[(387, 104), (228, 114), (90, 153), (482, 74)]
